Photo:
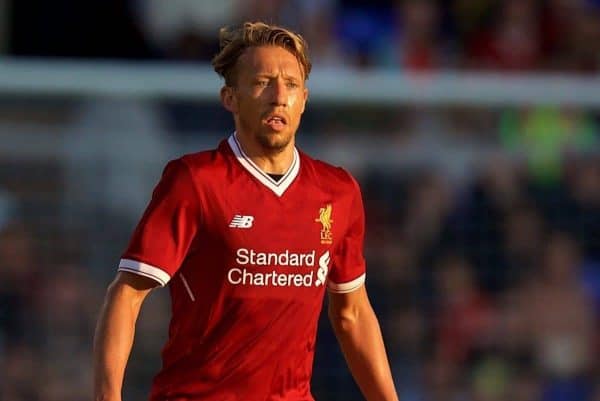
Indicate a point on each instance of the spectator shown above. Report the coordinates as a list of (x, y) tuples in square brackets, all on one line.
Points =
[(562, 320), (415, 43), (581, 215), (442, 380), (544, 134), (18, 279), (363, 29), (513, 43), (466, 315), (476, 231), (526, 385), (523, 233), (491, 378), (558, 18), (21, 379), (581, 54)]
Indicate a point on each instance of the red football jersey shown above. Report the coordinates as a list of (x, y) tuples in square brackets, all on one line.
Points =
[(247, 259)]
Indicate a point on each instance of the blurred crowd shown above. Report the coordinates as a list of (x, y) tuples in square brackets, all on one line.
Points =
[(405, 35), (490, 292)]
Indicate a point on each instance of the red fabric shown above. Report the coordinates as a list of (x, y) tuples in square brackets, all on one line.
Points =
[(240, 341)]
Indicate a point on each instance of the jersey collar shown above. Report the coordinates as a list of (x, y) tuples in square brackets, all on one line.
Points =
[(279, 187)]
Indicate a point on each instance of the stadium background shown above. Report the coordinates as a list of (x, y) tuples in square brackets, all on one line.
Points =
[(472, 126)]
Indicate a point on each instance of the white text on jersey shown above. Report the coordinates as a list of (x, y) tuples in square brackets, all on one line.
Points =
[(286, 258), (254, 275)]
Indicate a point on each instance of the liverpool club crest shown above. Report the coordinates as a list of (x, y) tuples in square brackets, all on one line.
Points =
[(326, 221)]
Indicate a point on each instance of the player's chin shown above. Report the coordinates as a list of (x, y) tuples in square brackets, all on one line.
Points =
[(275, 140)]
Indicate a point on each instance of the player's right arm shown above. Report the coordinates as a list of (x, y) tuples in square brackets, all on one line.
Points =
[(157, 249), (115, 331)]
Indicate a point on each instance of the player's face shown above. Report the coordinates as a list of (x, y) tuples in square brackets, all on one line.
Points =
[(269, 96)]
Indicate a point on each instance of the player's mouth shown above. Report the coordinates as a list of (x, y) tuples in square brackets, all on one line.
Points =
[(276, 122)]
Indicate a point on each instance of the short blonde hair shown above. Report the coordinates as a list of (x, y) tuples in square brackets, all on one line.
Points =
[(234, 41)]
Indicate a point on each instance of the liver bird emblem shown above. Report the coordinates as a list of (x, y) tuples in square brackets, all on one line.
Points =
[(325, 217)]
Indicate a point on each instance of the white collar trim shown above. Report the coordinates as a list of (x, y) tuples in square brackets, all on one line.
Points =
[(279, 187)]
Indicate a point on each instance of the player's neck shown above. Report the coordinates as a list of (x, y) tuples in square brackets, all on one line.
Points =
[(270, 161)]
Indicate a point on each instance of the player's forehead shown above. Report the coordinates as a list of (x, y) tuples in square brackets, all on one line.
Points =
[(270, 60)]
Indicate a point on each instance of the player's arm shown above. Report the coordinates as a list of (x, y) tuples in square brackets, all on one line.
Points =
[(358, 333), (115, 331)]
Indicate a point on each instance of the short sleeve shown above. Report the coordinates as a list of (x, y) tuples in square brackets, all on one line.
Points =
[(348, 267), (168, 226)]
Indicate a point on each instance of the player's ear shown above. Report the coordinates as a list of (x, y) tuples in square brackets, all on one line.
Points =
[(229, 99), (305, 93)]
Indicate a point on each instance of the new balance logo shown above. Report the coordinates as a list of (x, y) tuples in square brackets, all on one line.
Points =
[(240, 221)]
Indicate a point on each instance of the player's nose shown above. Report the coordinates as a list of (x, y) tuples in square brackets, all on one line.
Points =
[(279, 93)]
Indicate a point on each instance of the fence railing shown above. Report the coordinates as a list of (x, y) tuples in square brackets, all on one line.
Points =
[(340, 85)]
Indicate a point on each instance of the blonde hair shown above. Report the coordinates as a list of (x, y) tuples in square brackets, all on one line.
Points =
[(234, 41)]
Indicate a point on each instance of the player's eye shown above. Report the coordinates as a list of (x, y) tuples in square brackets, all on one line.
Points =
[(292, 85), (263, 83)]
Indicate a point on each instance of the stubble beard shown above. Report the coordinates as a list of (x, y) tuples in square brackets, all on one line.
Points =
[(275, 143), (270, 141)]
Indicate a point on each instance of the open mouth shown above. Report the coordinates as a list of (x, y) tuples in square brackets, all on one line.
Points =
[(276, 122)]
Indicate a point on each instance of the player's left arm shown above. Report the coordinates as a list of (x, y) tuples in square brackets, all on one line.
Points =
[(358, 333)]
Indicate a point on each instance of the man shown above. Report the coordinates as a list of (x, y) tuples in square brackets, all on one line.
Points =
[(248, 236)]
